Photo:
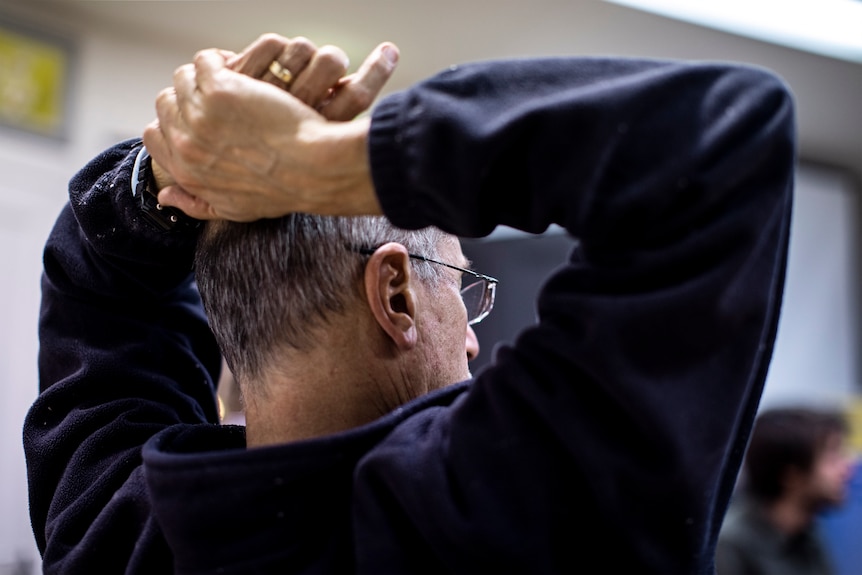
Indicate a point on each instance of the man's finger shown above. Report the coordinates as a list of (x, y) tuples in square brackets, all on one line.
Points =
[(325, 69), (228, 56), (184, 90), (294, 59), (154, 140), (156, 136), (355, 93), (255, 59), (178, 109), (207, 64)]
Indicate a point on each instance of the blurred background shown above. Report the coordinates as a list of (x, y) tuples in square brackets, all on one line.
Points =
[(79, 75)]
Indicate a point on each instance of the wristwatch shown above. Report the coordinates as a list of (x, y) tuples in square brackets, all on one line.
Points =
[(145, 191)]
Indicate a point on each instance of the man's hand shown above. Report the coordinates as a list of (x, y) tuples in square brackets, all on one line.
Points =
[(242, 149), (319, 73)]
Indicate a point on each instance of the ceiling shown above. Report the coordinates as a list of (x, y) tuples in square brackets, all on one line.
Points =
[(433, 35)]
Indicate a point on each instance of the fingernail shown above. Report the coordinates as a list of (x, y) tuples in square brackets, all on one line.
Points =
[(391, 54)]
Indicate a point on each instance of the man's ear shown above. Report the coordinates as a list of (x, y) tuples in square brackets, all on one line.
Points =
[(390, 294)]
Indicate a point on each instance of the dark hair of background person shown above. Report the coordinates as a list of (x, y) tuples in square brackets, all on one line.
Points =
[(786, 438)]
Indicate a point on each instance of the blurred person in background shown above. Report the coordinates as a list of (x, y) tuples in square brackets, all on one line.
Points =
[(797, 466)]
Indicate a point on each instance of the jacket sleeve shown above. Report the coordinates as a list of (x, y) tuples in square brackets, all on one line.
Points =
[(125, 351), (619, 421)]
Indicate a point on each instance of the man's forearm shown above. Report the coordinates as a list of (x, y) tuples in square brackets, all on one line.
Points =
[(125, 350)]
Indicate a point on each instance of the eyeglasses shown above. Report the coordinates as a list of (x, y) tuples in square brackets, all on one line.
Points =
[(477, 293)]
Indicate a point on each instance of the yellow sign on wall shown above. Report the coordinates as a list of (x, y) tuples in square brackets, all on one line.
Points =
[(33, 82), (854, 419)]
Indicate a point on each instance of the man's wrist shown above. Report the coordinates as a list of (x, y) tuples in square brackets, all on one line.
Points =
[(346, 146), (145, 189), (161, 177)]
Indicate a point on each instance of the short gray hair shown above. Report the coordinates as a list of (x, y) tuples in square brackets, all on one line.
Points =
[(266, 284)]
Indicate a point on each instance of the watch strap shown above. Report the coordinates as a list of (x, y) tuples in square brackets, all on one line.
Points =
[(144, 189)]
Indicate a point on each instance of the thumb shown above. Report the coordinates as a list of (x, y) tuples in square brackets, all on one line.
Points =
[(192, 206)]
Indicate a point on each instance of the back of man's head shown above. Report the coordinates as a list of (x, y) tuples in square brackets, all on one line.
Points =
[(269, 285), (785, 439)]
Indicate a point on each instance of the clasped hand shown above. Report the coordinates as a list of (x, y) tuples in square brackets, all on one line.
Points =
[(234, 142)]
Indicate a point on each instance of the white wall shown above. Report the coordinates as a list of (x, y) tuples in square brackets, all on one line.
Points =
[(815, 357), (117, 78)]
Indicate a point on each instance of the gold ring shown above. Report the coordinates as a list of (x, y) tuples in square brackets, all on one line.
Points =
[(280, 72)]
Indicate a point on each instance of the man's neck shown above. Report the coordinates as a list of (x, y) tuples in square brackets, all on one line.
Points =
[(303, 407), (321, 391)]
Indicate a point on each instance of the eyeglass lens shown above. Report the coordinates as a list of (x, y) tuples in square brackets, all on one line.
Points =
[(478, 299)]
